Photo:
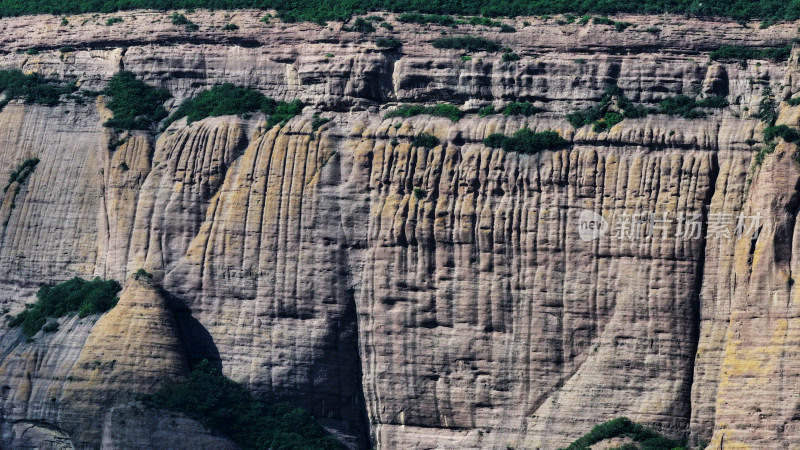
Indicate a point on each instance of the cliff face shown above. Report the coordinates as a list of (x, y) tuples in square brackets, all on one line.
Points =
[(408, 297)]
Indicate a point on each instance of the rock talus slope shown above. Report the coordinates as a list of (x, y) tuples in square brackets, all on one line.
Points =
[(408, 297)]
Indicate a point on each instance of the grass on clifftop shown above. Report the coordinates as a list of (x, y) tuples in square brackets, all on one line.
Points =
[(75, 295), (227, 99), (223, 405), (442, 110), (325, 10), (136, 105), (644, 438)]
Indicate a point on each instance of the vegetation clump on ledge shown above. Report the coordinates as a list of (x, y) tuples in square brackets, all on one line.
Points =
[(75, 295), (425, 140), (441, 110), (22, 172), (388, 44), (227, 99), (34, 88), (645, 438), (223, 405), (526, 141), (602, 118), (136, 105), (743, 54), (468, 43)]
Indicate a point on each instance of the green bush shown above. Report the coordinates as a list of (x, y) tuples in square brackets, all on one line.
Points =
[(424, 19), (420, 193), (505, 28), (793, 101), (142, 274), (180, 19), (521, 109), (679, 105), (34, 88), (386, 25), (623, 427), (526, 141), (767, 109), (230, 27), (320, 11), (486, 111), (607, 122), (388, 44), (223, 405), (317, 122), (786, 133), (113, 20), (22, 172), (66, 49), (227, 99), (441, 110), (425, 140), (135, 104), (469, 43), (746, 53), (361, 26), (75, 295), (510, 57)]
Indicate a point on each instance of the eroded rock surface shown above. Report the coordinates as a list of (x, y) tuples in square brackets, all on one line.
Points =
[(408, 297)]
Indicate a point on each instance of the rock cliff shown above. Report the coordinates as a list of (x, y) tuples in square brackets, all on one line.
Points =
[(408, 297)]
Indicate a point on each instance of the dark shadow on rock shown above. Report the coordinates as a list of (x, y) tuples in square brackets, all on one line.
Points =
[(197, 341)]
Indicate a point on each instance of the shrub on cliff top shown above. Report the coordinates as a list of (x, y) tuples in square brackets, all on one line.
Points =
[(223, 405), (747, 53), (75, 295), (227, 99), (136, 105), (425, 140)]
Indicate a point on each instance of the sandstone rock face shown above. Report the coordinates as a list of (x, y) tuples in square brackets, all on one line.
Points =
[(408, 297)]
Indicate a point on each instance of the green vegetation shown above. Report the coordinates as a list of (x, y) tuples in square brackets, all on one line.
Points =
[(32, 51), (227, 99), (75, 295), (424, 19), (526, 141), (486, 111), (142, 274), (64, 22), (767, 107), (420, 193), (388, 44), (320, 11), (441, 110), (521, 109), (603, 119), (34, 88), (223, 405), (645, 438), (66, 49), (22, 172), (782, 131), (387, 25), (113, 20), (230, 27), (620, 26), (135, 104), (793, 101), (469, 43), (425, 140), (685, 106), (317, 121), (762, 153), (361, 26), (743, 54), (180, 19), (510, 57)]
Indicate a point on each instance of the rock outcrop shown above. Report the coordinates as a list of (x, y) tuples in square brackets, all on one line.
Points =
[(408, 297)]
